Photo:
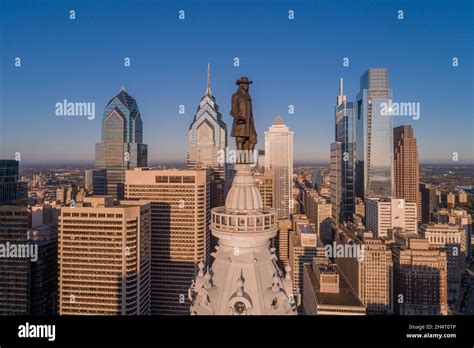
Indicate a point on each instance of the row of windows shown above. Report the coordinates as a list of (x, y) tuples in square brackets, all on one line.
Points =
[(175, 179), (94, 215)]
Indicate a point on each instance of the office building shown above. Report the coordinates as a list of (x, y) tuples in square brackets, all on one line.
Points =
[(266, 186), (43, 275), (406, 166), (180, 236), (104, 258), (279, 157), (460, 218), (450, 238), (319, 211), (327, 291), (429, 201), (387, 213), (121, 147), (374, 134), (281, 241), (371, 276), (14, 270), (420, 278), (303, 247)]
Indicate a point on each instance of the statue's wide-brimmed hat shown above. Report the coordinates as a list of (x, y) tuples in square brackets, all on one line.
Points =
[(243, 79)]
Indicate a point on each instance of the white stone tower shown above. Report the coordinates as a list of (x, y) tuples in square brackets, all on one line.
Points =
[(244, 278)]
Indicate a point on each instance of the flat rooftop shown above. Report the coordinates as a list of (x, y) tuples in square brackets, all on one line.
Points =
[(305, 228), (345, 297)]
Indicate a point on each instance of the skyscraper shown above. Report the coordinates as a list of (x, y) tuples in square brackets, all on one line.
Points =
[(104, 258), (14, 270), (374, 134), (121, 147), (180, 236), (207, 142), (342, 160), (406, 166), (279, 156)]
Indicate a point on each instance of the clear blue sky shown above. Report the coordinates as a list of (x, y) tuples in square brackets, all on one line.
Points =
[(294, 62)]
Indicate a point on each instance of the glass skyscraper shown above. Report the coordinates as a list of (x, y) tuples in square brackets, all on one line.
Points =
[(374, 134), (121, 147), (342, 160), (14, 271)]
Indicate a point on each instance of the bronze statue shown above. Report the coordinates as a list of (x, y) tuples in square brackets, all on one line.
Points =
[(243, 128)]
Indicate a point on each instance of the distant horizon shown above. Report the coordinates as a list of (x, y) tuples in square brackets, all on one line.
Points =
[(91, 165), (294, 64)]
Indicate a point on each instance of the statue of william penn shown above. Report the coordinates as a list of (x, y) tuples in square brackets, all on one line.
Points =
[(243, 128)]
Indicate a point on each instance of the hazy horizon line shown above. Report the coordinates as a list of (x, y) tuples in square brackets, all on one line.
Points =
[(91, 165)]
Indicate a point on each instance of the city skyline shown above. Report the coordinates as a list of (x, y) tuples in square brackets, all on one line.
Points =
[(209, 158), (295, 74)]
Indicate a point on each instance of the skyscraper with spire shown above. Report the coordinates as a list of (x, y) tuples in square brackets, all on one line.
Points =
[(342, 160), (121, 147), (207, 139)]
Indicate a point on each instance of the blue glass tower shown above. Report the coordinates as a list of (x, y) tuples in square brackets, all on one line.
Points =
[(374, 136), (121, 147), (342, 160)]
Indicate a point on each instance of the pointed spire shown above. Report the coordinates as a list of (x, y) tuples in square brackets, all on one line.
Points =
[(208, 90), (341, 97), (278, 121)]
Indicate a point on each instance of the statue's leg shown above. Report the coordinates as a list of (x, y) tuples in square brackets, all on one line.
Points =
[(252, 142), (246, 144), (239, 142)]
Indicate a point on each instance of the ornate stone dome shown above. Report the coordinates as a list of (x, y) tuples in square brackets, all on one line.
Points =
[(243, 196)]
